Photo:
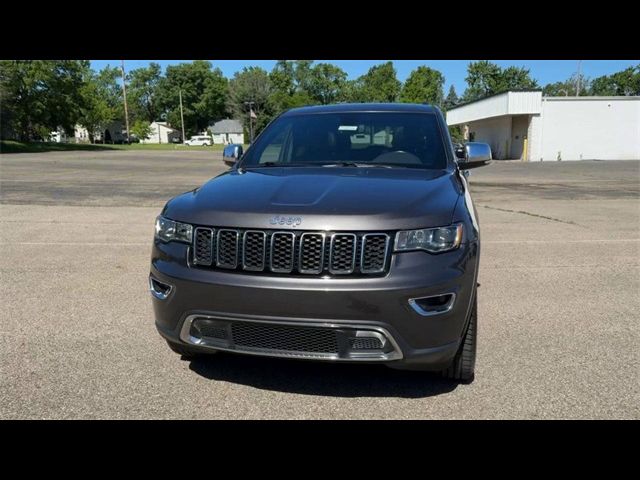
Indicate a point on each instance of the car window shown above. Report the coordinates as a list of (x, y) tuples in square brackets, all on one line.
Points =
[(393, 138), (272, 150)]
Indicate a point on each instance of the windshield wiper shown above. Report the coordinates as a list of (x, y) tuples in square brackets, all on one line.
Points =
[(356, 164)]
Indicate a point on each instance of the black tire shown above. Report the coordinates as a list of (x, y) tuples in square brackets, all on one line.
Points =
[(184, 350), (462, 369)]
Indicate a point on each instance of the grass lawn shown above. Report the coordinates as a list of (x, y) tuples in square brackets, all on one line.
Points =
[(9, 146)]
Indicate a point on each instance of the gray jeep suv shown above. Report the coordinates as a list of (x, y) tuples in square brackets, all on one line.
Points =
[(344, 233)]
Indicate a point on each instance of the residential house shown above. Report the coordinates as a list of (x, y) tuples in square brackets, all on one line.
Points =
[(227, 131), (162, 133)]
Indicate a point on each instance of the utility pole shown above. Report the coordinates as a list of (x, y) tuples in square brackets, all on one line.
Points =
[(181, 115), (124, 94), (579, 75), (250, 104)]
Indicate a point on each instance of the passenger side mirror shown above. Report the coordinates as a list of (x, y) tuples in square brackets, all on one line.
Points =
[(231, 154), (476, 154)]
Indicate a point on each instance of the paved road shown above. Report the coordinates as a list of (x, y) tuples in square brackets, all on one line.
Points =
[(559, 304)]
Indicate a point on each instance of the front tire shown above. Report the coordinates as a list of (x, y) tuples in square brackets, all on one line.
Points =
[(462, 368)]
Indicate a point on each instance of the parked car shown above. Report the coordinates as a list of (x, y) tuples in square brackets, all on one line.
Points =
[(199, 140), (324, 244)]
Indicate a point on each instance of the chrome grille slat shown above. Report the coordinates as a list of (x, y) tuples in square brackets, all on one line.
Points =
[(227, 246), (373, 254), (342, 254), (282, 252), (203, 246), (311, 253), (254, 250), (291, 252)]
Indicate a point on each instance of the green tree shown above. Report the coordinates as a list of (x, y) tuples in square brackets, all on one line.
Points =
[(452, 99), (102, 100), (625, 82), (204, 91), (39, 96), (252, 84), (516, 78), (325, 83), (142, 92), (141, 129), (424, 85), (353, 91), (291, 76), (291, 81), (282, 77), (379, 84), (485, 78)]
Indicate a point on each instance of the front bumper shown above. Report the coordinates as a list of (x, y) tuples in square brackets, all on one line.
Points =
[(347, 305)]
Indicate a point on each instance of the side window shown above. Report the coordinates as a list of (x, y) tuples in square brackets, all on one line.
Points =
[(275, 149)]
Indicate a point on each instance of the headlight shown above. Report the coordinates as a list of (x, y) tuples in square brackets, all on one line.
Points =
[(168, 230), (434, 240)]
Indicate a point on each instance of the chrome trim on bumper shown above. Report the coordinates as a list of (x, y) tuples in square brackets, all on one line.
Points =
[(378, 332), (161, 295), (425, 313)]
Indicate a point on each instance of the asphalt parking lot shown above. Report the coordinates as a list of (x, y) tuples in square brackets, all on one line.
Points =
[(559, 302)]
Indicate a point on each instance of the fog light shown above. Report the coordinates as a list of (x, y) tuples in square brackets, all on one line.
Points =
[(433, 305), (158, 289)]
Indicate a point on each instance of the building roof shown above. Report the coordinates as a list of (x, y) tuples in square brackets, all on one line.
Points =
[(164, 125), (363, 107), (513, 102), (515, 90), (226, 126)]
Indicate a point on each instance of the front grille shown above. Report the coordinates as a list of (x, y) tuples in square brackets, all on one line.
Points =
[(254, 250), (203, 246), (342, 256), (284, 338), (227, 248), (311, 252), (292, 253), (374, 252), (282, 252)]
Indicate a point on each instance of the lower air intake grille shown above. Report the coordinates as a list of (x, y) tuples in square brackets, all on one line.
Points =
[(365, 343), (284, 338)]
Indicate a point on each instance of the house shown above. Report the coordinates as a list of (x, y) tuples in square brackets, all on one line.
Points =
[(227, 131), (162, 133), (528, 126)]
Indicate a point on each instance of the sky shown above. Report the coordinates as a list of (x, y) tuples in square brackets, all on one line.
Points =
[(454, 71)]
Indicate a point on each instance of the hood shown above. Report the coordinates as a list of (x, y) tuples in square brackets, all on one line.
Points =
[(324, 198)]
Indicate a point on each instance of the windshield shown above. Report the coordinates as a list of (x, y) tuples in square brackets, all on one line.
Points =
[(389, 139)]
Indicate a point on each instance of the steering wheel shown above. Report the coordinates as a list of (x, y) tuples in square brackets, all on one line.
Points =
[(397, 156)]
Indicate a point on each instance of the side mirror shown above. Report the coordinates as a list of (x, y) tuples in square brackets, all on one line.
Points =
[(231, 154), (476, 154)]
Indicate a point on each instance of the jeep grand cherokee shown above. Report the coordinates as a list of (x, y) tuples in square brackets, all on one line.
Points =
[(344, 233)]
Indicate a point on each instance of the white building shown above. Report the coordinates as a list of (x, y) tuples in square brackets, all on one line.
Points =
[(525, 125), (227, 131), (162, 133)]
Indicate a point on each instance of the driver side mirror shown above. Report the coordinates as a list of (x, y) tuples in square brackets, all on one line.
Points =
[(473, 155), (231, 154)]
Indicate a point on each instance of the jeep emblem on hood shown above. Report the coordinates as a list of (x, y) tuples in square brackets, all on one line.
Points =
[(291, 221)]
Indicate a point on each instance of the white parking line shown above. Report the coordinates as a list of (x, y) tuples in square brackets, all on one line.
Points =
[(566, 241), (106, 244)]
